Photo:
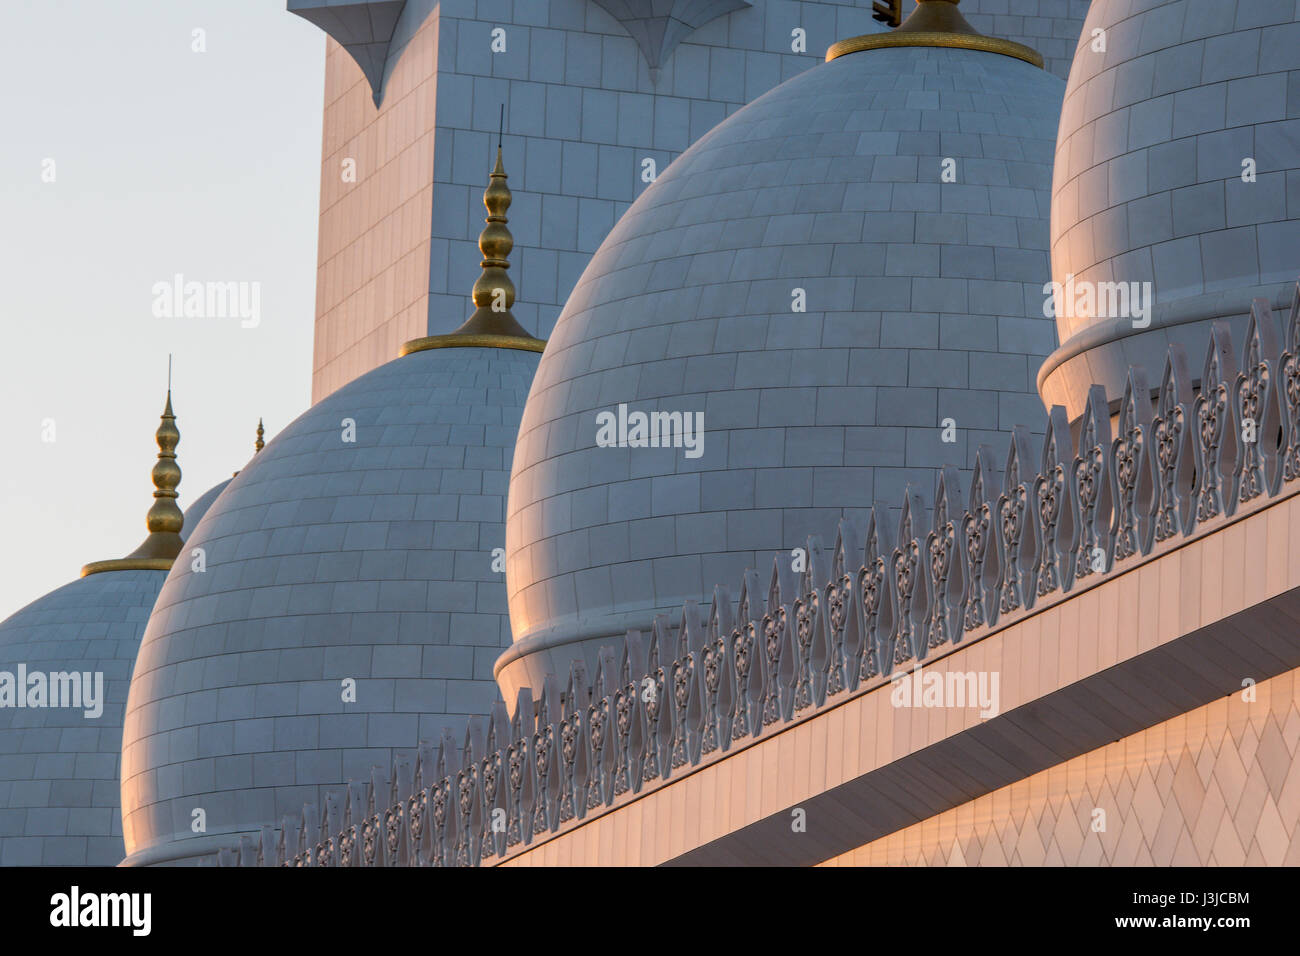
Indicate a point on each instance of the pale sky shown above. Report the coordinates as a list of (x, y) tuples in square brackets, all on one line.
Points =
[(165, 161)]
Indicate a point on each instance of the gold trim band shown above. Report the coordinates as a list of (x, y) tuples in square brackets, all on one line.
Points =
[(458, 341), (128, 564), (963, 41)]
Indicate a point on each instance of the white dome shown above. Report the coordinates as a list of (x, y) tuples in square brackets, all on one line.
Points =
[(325, 560), (59, 767), (1156, 134), (923, 302)]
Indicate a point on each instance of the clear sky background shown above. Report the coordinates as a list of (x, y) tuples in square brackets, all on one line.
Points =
[(166, 161)]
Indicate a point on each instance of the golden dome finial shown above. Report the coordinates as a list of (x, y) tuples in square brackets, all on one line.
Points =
[(258, 445), (936, 23), (165, 519), (494, 293), (492, 325)]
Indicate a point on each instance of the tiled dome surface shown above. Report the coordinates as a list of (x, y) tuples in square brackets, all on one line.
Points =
[(924, 301), (328, 560), (1148, 186), (58, 768)]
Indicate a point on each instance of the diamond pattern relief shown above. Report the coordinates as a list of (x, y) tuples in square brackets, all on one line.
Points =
[(1219, 786)]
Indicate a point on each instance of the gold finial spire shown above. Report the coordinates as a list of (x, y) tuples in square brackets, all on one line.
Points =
[(936, 23), (258, 445), (492, 325), (165, 519)]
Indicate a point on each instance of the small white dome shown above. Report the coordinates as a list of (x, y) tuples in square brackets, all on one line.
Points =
[(357, 545), (59, 795)]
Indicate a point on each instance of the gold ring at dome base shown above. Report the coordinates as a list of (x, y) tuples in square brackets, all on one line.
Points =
[(128, 564), (455, 341), (962, 41)]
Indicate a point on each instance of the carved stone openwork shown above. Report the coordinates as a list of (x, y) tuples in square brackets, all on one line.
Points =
[(906, 577), (1016, 527), (944, 563), (1216, 431), (331, 822), (1258, 415), (309, 835), (652, 697), (599, 718), (1052, 511), (469, 805), (372, 827), (492, 832), (746, 665), (713, 673), (572, 746), (1130, 472), (440, 820), (877, 596), (980, 549), (545, 775), (837, 600), (1090, 491), (519, 771), (626, 719), (776, 637), (349, 836), (1173, 452), (395, 833), (683, 672), (807, 623)]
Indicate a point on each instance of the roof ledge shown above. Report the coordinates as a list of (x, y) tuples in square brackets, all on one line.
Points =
[(363, 28), (658, 26)]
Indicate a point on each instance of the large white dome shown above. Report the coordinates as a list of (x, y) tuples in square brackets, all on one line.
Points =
[(923, 303), (1177, 164)]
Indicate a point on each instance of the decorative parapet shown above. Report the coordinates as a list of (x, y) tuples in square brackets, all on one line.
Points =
[(918, 586)]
